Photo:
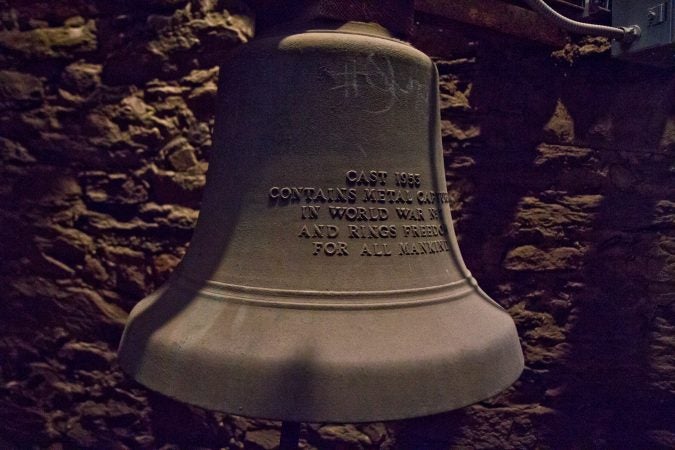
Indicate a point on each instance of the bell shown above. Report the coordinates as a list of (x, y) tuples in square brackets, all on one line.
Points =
[(324, 282)]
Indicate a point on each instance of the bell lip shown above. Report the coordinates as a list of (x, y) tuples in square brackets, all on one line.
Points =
[(346, 419), (495, 367)]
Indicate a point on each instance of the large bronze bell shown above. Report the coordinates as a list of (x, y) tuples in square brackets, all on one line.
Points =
[(324, 282)]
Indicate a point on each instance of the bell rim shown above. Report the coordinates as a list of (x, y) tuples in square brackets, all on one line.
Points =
[(444, 375)]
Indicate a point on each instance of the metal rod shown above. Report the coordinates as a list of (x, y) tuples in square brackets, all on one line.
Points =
[(290, 436), (623, 34)]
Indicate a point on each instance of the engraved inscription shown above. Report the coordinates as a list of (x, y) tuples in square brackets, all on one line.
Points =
[(376, 214)]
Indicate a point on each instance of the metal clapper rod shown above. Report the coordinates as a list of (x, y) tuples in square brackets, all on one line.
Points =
[(290, 436)]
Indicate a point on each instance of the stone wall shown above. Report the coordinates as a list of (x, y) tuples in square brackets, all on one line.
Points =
[(561, 167)]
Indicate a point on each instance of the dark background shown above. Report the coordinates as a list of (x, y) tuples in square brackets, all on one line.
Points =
[(560, 163)]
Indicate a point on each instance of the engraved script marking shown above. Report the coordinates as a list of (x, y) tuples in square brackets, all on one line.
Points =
[(349, 77), (378, 74)]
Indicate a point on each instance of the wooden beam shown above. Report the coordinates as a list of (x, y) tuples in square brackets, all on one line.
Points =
[(498, 16)]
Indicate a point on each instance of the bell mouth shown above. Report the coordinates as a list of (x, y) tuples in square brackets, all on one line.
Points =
[(321, 364)]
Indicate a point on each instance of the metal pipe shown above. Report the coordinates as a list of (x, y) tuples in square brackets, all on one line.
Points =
[(290, 436), (622, 34)]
